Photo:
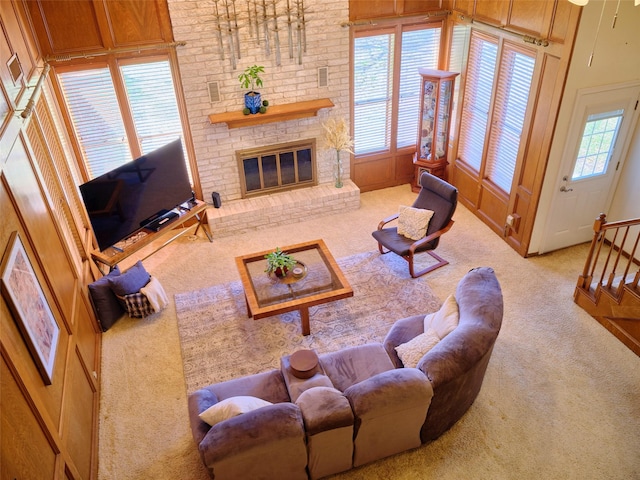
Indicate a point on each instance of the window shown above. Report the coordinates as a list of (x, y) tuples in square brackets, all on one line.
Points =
[(372, 77), (98, 113), (596, 147), (376, 82), (501, 95), (516, 71), (420, 49), (477, 99), (457, 58)]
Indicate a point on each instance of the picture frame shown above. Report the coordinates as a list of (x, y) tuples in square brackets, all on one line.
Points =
[(29, 306)]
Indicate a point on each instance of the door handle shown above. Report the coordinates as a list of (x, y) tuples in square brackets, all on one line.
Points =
[(564, 188)]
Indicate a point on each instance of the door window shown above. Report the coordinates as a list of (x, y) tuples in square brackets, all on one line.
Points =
[(596, 146)]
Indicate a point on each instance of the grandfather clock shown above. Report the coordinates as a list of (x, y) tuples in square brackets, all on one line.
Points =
[(436, 88)]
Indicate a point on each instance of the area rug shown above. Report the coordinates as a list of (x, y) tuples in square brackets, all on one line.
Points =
[(219, 341)]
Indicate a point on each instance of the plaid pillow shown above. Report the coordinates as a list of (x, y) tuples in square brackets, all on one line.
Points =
[(136, 304)]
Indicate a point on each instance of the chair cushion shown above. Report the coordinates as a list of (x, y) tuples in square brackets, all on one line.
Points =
[(411, 352), (413, 222)]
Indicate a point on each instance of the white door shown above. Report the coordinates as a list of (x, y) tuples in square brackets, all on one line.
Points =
[(602, 124)]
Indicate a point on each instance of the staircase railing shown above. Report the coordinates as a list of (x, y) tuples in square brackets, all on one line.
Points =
[(613, 257)]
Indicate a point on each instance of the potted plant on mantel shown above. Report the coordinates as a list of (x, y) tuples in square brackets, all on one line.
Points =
[(279, 262), (250, 79)]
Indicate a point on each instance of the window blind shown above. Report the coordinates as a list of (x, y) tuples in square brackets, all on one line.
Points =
[(96, 114), (510, 106), (477, 99), (153, 104), (372, 76), (96, 117), (420, 49), (457, 55)]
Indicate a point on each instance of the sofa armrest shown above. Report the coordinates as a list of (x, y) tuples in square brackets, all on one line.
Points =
[(390, 409), (266, 441), (198, 402), (324, 408)]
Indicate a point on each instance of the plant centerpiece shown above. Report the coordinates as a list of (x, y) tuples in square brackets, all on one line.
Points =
[(336, 137), (250, 79), (279, 262)]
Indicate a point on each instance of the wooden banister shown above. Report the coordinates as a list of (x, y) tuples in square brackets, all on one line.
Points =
[(614, 246)]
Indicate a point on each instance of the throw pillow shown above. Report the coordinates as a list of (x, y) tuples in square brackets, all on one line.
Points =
[(411, 352), (413, 222), (445, 320), (106, 305), (130, 281), (231, 407), (137, 305)]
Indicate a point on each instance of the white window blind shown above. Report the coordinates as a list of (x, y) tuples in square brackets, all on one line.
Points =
[(420, 49), (512, 95), (96, 117), (373, 75), (153, 103), (477, 99), (459, 41), (96, 114)]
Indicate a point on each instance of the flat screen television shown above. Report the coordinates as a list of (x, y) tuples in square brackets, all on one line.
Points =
[(139, 194)]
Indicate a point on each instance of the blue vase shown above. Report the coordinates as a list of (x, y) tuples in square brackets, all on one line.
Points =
[(253, 101)]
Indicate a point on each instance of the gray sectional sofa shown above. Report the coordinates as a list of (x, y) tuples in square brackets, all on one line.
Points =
[(359, 404)]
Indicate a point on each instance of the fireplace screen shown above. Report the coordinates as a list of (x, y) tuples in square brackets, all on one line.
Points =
[(277, 168)]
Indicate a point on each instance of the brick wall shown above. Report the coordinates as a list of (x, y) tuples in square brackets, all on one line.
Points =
[(194, 21)]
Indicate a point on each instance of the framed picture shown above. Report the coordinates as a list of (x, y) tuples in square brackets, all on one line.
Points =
[(29, 306)]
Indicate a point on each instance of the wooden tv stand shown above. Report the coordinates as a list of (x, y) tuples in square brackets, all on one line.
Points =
[(142, 238)]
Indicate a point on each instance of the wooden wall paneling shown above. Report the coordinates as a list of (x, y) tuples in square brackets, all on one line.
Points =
[(132, 22), (404, 170), (372, 173), (25, 446), (10, 336), (464, 6), (365, 9), (80, 419), (66, 27), (492, 206), (530, 16), (565, 21), (411, 7), (467, 181), (88, 336), (32, 203), (14, 42), (531, 173), (494, 12)]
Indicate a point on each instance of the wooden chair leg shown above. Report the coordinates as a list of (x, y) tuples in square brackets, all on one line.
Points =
[(441, 263)]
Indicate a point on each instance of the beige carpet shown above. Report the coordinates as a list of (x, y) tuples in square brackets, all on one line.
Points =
[(215, 319), (560, 400)]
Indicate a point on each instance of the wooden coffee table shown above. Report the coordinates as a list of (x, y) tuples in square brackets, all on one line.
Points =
[(267, 295)]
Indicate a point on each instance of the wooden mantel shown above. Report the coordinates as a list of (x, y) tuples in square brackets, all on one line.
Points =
[(275, 113)]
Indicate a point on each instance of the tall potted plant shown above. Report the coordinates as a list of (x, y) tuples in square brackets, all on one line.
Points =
[(250, 79)]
